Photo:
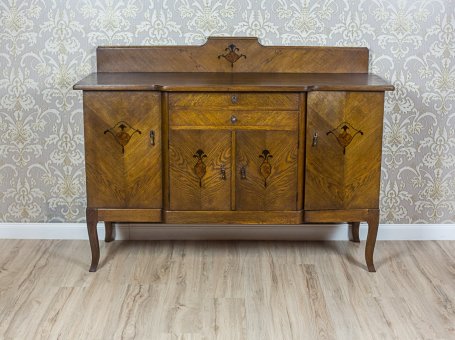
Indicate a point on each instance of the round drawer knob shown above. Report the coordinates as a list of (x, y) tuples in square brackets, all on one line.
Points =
[(234, 99), (234, 119)]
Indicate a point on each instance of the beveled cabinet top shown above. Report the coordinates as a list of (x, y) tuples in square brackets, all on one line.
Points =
[(220, 81)]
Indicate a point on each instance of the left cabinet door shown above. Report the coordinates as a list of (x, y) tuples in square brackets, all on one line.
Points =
[(123, 149), (200, 169)]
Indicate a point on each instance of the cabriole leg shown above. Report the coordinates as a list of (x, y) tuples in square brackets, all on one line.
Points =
[(354, 231), (92, 221), (110, 232), (373, 223)]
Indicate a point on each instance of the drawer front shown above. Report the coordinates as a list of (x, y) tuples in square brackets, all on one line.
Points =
[(271, 120), (235, 101)]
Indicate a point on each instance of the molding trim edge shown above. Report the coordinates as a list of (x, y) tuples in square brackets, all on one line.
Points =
[(330, 232)]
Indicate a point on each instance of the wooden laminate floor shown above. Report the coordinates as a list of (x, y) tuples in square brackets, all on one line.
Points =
[(226, 290)]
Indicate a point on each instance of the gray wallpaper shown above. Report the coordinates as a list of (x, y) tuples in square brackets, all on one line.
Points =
[(46, 46)]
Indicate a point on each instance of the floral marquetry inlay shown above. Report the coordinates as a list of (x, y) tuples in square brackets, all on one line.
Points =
[(232, 54), (49, 45), (122, 133), (344, 133)]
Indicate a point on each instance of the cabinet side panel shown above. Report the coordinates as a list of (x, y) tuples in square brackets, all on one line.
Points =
[(324, 163), (123, 149), (362, 170), (197, 161), (301, 152)]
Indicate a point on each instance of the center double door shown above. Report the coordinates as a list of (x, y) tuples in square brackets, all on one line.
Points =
[(224, 160)]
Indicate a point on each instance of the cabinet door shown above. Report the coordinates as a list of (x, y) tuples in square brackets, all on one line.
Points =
[(266, 176), (200, 169), (123, 149), (343, 150)]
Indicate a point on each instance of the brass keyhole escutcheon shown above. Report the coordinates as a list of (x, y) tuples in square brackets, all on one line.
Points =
[(223, 172), (243, 172), (152, 137), (315, 139)]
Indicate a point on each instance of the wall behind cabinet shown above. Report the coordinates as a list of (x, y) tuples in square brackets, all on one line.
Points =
[(46, 46)]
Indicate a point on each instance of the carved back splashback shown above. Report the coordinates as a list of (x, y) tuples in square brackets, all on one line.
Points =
[(233, 54)]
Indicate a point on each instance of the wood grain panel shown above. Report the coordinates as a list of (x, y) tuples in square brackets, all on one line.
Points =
[(337, 180), (186, 193), (130, 215), (333, 216), (259, 58), (235, 101), (218, 218), (273, 120), (131, 179), (279, 190)]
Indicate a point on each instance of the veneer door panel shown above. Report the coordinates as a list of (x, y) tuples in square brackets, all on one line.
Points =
[(123, 149), (200, 169), (343, 150), (266, 176)]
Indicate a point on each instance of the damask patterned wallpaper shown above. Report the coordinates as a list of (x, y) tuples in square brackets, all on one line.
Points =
[(46, 46)]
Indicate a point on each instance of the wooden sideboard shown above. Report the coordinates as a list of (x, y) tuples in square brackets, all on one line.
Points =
[(233, 132)]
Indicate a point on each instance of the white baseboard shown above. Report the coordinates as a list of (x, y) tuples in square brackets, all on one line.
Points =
[(78, 231)]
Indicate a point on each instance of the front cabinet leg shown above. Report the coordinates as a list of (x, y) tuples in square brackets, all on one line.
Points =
[(110, 232), (373, 223), (354, 232), (92, 221)]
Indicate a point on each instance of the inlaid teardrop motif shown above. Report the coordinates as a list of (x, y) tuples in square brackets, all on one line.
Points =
[(200, 168), (266, 168)]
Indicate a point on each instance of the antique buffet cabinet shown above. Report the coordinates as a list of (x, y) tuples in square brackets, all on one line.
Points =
[(233, 132)]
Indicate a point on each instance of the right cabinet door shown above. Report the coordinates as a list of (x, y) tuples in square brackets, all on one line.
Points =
[(343, 150), (200, 169), (266, 170)]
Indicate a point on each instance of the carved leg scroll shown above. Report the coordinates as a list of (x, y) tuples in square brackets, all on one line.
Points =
[(354, 232), (110, 232), (92, 220), (373, 223)]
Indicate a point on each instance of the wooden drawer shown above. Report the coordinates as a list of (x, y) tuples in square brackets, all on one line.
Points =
[(235, 101), (272, 120)]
